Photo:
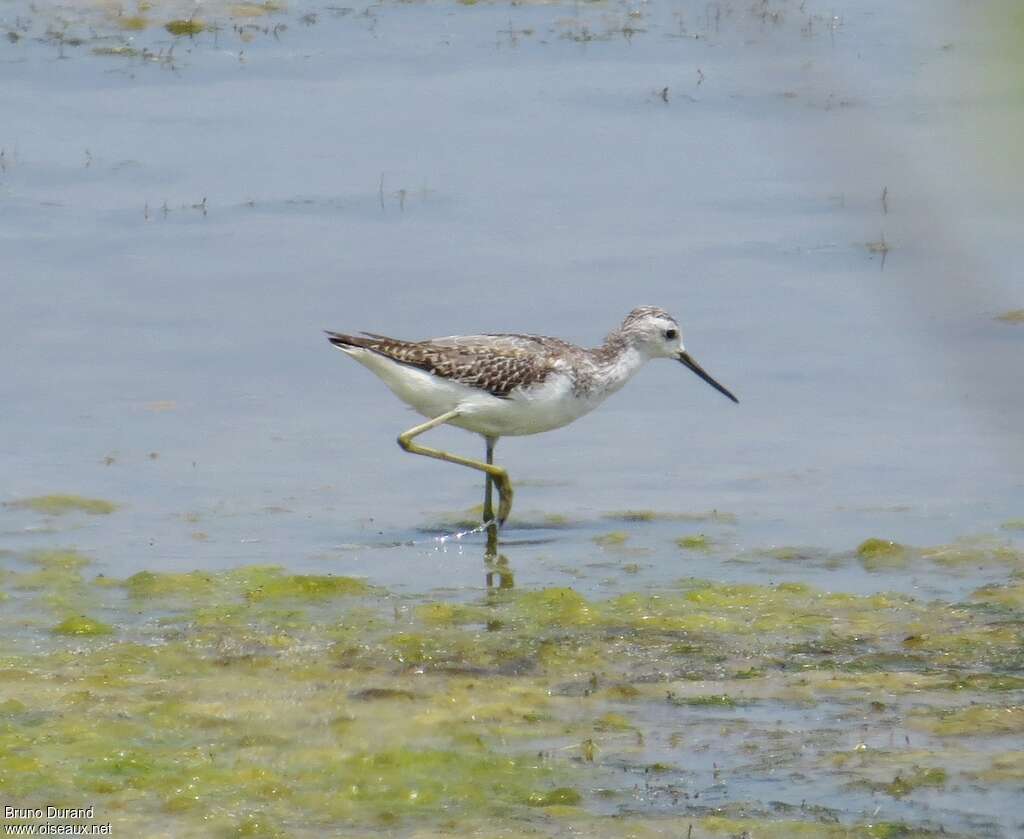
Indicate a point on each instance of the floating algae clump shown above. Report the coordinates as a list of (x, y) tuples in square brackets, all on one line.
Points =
[(132, 23), (123, 51), (308, 586), (1010, 595), (876, 554), (636, 516), (58, 573), (56, 505), (58, 560), (254, 9), (976, 721), (974, 552), (150, 584), (81, 625), (611, 540), (565, 796), (903, 785), (709, 701), (1005, 767), (449, 614), (185, 27), (555, 606), (986, 682), (408, 780), (613, 722), (1012, 316), (878, 547), (698, 542), (256, 583)]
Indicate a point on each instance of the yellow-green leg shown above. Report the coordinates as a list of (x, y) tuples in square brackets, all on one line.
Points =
[(492, 528), (494, 473), (488, 509)]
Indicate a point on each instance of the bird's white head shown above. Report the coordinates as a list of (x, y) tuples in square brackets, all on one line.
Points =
[(655, 333)]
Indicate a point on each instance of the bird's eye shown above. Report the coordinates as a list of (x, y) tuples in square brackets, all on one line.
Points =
[(670, 334)]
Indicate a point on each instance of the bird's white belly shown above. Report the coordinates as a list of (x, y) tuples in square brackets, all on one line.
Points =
[(542, 408)]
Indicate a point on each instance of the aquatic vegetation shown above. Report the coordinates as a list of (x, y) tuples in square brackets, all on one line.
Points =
[(1012, 316), (450, 614), (878, 547), (59, 504), (56, 580), (234, 701), (613, 722), (784, 829), (1004, 767), (903, 785), (974, 552), (306, 586), (1010, 595), (790, 553), (559, 795), (975, 721), (68, 562), (553, 606), (188, 27), (877, 554), (150, 584), (882, 555), (123, 51), (635, 516), (986, 682), (611, 540), (255, 9), (83, 626), (697, 542), (132, 23), (253, 584), (707, 701)]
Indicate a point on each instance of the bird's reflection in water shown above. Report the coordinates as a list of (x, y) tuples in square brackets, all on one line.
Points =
[(498, 573)]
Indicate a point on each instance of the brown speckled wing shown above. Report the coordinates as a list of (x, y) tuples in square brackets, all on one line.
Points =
[(497, 364)]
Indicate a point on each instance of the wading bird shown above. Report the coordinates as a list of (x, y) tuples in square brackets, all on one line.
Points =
[(509, 385)]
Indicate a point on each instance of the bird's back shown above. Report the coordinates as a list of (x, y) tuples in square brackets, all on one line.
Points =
[(497, 364)]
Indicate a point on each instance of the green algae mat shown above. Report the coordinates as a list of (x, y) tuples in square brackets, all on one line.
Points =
[(259, 702)]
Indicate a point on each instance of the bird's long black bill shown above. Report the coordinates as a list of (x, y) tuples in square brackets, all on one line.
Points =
[(685, 358)]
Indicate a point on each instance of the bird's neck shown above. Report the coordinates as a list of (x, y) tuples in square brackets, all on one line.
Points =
[(616, 361)]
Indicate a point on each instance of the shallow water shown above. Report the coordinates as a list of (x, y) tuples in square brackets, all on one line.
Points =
[(825, 195)]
